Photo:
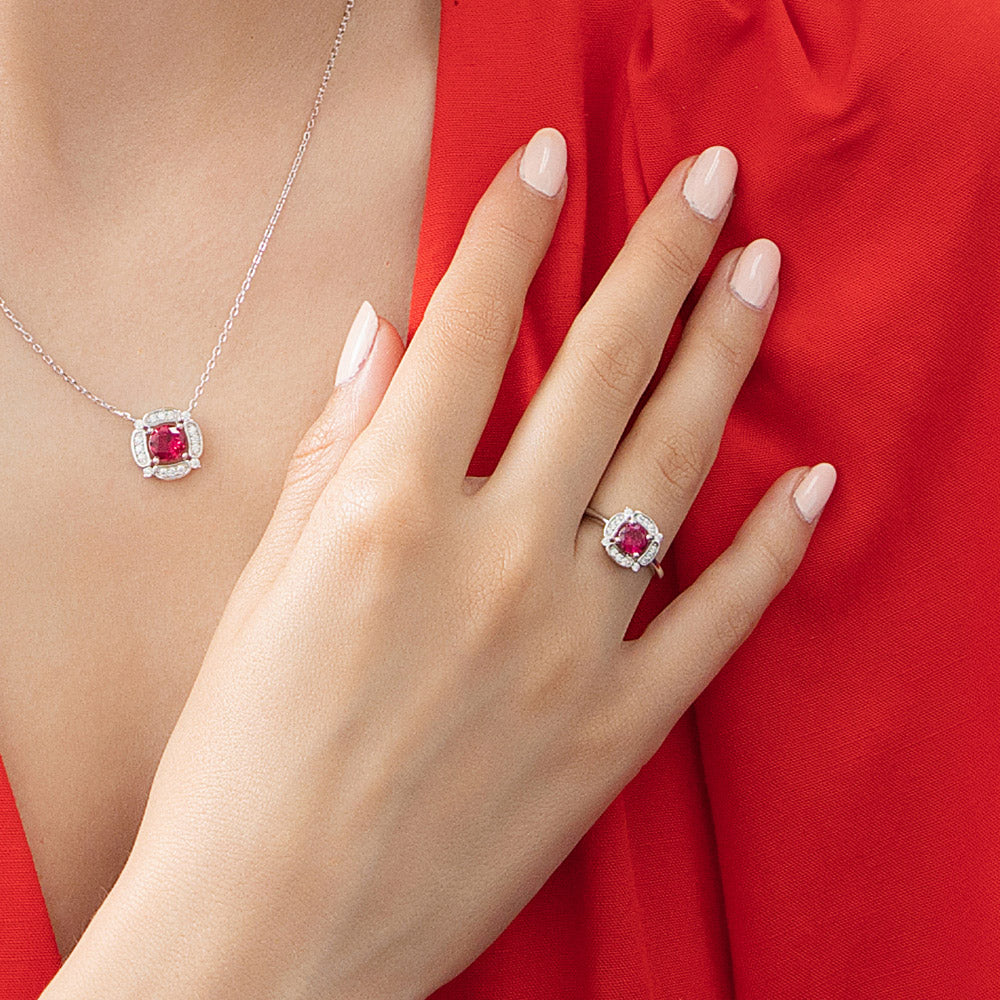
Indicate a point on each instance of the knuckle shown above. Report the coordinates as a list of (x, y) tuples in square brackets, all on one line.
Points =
[(360, 522), (620, 363), (682, 459), (509, 582), (313, 455), (670, 258), (380, 526), (381, 505), (729, 350), (775, 563), (500, 580), (736, 616), (476, 325), (498, 232), (386, 471), (509, 241)]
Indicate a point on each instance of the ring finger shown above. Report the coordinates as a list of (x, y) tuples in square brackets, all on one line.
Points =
[(660, 465)]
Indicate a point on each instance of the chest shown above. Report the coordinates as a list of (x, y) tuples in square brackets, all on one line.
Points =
[(112, 584)]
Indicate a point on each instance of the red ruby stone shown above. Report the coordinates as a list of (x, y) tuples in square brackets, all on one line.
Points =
[(167, 443), (631, 538)]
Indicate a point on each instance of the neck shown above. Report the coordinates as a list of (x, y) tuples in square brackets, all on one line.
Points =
[(85, 82)]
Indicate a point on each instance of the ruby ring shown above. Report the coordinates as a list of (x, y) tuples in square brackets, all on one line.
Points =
[(631, 538)]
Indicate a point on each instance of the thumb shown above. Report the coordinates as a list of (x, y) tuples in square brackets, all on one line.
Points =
[(370, 356), (371, 353)]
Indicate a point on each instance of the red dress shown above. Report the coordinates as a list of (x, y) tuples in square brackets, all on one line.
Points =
[(825, 821)]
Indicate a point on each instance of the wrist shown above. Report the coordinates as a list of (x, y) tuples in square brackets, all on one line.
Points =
[(152, 940), (144, 944)]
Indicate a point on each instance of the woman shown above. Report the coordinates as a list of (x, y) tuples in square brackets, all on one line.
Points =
[(344, 807)]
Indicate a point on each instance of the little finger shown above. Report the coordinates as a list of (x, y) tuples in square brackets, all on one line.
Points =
[(688, 643)]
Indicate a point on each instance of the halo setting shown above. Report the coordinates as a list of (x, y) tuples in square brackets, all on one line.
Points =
[(631, 538), (167, 444)]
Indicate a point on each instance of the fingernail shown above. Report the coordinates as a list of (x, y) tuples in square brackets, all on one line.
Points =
[(710, 181), (812, 493), (358, 345), (543, 163), (755, 273)]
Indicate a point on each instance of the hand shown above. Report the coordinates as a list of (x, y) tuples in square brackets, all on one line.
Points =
[(418, 698)]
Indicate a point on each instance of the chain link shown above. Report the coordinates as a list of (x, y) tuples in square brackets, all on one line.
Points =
[(244, 288)]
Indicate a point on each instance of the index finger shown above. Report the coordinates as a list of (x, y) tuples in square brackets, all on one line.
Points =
[(440, 397)]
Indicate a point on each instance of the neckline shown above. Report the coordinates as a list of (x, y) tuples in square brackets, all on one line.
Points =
[(44, 932)]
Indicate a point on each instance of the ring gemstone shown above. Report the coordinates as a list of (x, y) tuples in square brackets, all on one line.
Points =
[(632, 538)]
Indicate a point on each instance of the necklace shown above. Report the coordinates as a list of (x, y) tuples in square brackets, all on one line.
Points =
[(167, 442)]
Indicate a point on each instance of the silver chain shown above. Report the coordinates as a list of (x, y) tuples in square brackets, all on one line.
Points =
[(244, 288)]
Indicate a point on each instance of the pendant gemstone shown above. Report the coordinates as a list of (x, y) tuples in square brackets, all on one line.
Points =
[(166, 444)]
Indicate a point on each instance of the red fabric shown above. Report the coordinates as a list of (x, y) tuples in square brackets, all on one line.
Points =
[(28, 955), (824, 822)]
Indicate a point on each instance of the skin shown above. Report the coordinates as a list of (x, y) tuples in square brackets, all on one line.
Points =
[(315, 753), (89, 549)]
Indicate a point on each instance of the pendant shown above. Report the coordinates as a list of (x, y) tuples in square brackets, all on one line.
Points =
[(167, 444)]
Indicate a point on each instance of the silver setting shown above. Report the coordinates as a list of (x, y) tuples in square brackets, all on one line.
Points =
[(165, 416), (611, 526), (193, 432), (150, 466), (140, 448), (173, 471)]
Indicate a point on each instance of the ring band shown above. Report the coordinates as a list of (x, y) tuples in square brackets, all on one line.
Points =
[(631, 538)]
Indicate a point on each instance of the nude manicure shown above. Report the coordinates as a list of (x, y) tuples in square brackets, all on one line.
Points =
[(710, 181), (812, 493), (543, 163), (755, 273), (358, 345)]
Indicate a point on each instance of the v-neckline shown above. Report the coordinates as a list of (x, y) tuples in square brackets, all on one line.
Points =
[(23, 909)]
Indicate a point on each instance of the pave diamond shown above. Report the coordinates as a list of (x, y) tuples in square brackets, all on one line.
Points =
[(172, 471), (193, 432), (139, 450)]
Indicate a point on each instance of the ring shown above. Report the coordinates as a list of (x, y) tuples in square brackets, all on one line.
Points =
[(631, 538)]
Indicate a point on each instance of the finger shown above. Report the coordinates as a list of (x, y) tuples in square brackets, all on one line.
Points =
[(575, 419), (687, 644), (437, 406), (370, 355), (663, 461)]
